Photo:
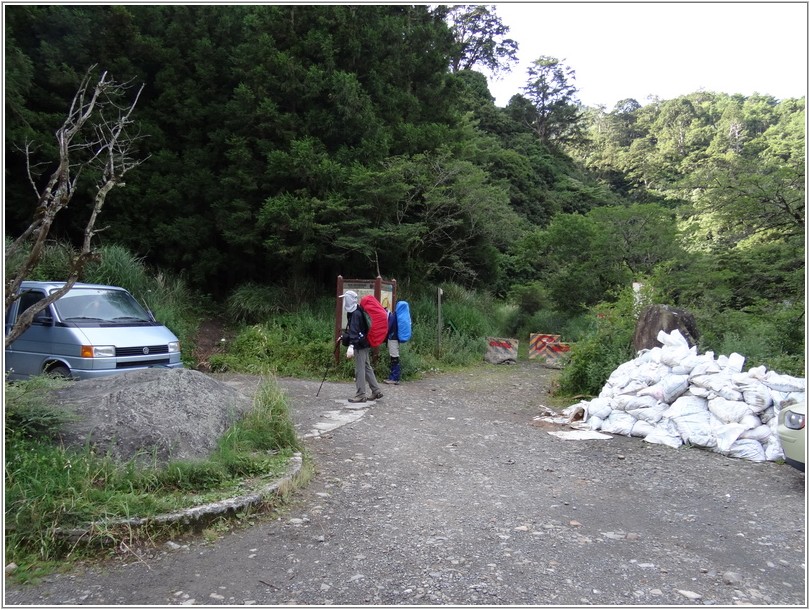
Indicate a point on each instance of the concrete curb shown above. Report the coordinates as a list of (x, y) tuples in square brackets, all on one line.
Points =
[(201, 512)]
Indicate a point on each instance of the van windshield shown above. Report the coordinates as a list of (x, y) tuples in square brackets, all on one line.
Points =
[(100, 305)]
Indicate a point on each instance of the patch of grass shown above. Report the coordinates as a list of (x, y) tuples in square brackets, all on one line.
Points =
[(300, 344), (25, 413), (51, 491)]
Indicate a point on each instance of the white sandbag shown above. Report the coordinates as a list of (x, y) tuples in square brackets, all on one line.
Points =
[(629, 402), (665, 433), (672, 339), (650, 373), (619, 422), (728, 411), (607, 391), (708, 366), (686, 405), (696, 390), (784, 383), (641, 429), (746, 449), (727, 435), (688, 364), (767, 415), (735, 363), (594, 423), (751, 421), (598, 407), (712, 381), (649, 414), (773, 449), (729, 393), (761, 433), (757, 372), (673, 356), (633, 387), (782, 400), (622, 374), (756, 395), (691, 417), (575, 412), (668, 389), (649, 355)]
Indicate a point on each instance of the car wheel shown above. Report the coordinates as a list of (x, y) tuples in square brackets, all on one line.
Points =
[(60, 371)]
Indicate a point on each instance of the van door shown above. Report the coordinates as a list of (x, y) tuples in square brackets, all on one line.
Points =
[(25, 356)]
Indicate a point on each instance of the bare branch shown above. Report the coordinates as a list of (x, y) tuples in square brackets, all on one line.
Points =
[(89, 138)]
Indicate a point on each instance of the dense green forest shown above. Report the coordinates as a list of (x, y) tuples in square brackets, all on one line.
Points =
[(283, 145)]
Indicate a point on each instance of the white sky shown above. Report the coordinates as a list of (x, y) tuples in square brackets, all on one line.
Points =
[(622, 50)]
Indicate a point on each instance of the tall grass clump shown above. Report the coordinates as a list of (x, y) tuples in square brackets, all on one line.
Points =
[(267, 427), (25, 412), (253, 303), (117, 266), (287, 344), (54, 263)]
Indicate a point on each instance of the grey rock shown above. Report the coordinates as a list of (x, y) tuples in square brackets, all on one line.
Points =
[(656, 318), (732, 578), (153, 415)]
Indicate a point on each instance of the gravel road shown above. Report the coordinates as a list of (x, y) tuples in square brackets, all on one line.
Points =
[(448, 492)]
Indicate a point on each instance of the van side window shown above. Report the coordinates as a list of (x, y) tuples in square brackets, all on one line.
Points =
[(29, 298)]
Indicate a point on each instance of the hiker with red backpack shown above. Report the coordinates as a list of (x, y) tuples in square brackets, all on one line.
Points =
[(356, 337)]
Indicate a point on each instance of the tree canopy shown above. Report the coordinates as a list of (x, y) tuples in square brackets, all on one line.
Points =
[(297, 141)]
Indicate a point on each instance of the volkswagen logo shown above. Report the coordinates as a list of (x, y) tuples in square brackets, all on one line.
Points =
[(145, 351)]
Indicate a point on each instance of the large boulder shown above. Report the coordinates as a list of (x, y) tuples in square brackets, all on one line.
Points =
[(656, 318), (153, 415)]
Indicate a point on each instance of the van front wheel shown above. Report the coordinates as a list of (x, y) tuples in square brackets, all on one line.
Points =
[(60, 371)]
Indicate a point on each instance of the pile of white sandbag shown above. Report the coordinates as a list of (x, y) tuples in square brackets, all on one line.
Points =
[(670, 395)]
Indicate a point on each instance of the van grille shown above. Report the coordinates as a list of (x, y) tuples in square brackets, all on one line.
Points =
[(139, 351), (138, 363)]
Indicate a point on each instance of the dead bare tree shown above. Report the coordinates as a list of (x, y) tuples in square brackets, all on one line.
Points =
[(95, 137)]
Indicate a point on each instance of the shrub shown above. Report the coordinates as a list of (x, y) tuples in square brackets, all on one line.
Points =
[(594, 357)]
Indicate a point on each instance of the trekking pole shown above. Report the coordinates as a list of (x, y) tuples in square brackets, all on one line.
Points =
[(328, 366)]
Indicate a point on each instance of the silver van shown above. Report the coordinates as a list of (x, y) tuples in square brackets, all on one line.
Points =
[(92, 331)]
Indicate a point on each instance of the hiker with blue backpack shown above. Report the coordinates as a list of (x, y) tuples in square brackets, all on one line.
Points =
[(355, 337), (399, 331), (393, 349)]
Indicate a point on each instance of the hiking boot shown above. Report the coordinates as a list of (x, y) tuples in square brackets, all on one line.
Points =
[(376, 395), (358, 399)]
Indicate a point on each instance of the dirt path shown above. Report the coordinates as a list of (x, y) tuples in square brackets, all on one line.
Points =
[(447, 491)]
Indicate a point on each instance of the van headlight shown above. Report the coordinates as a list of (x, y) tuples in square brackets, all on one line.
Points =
[(174, 347), (98, 351)]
